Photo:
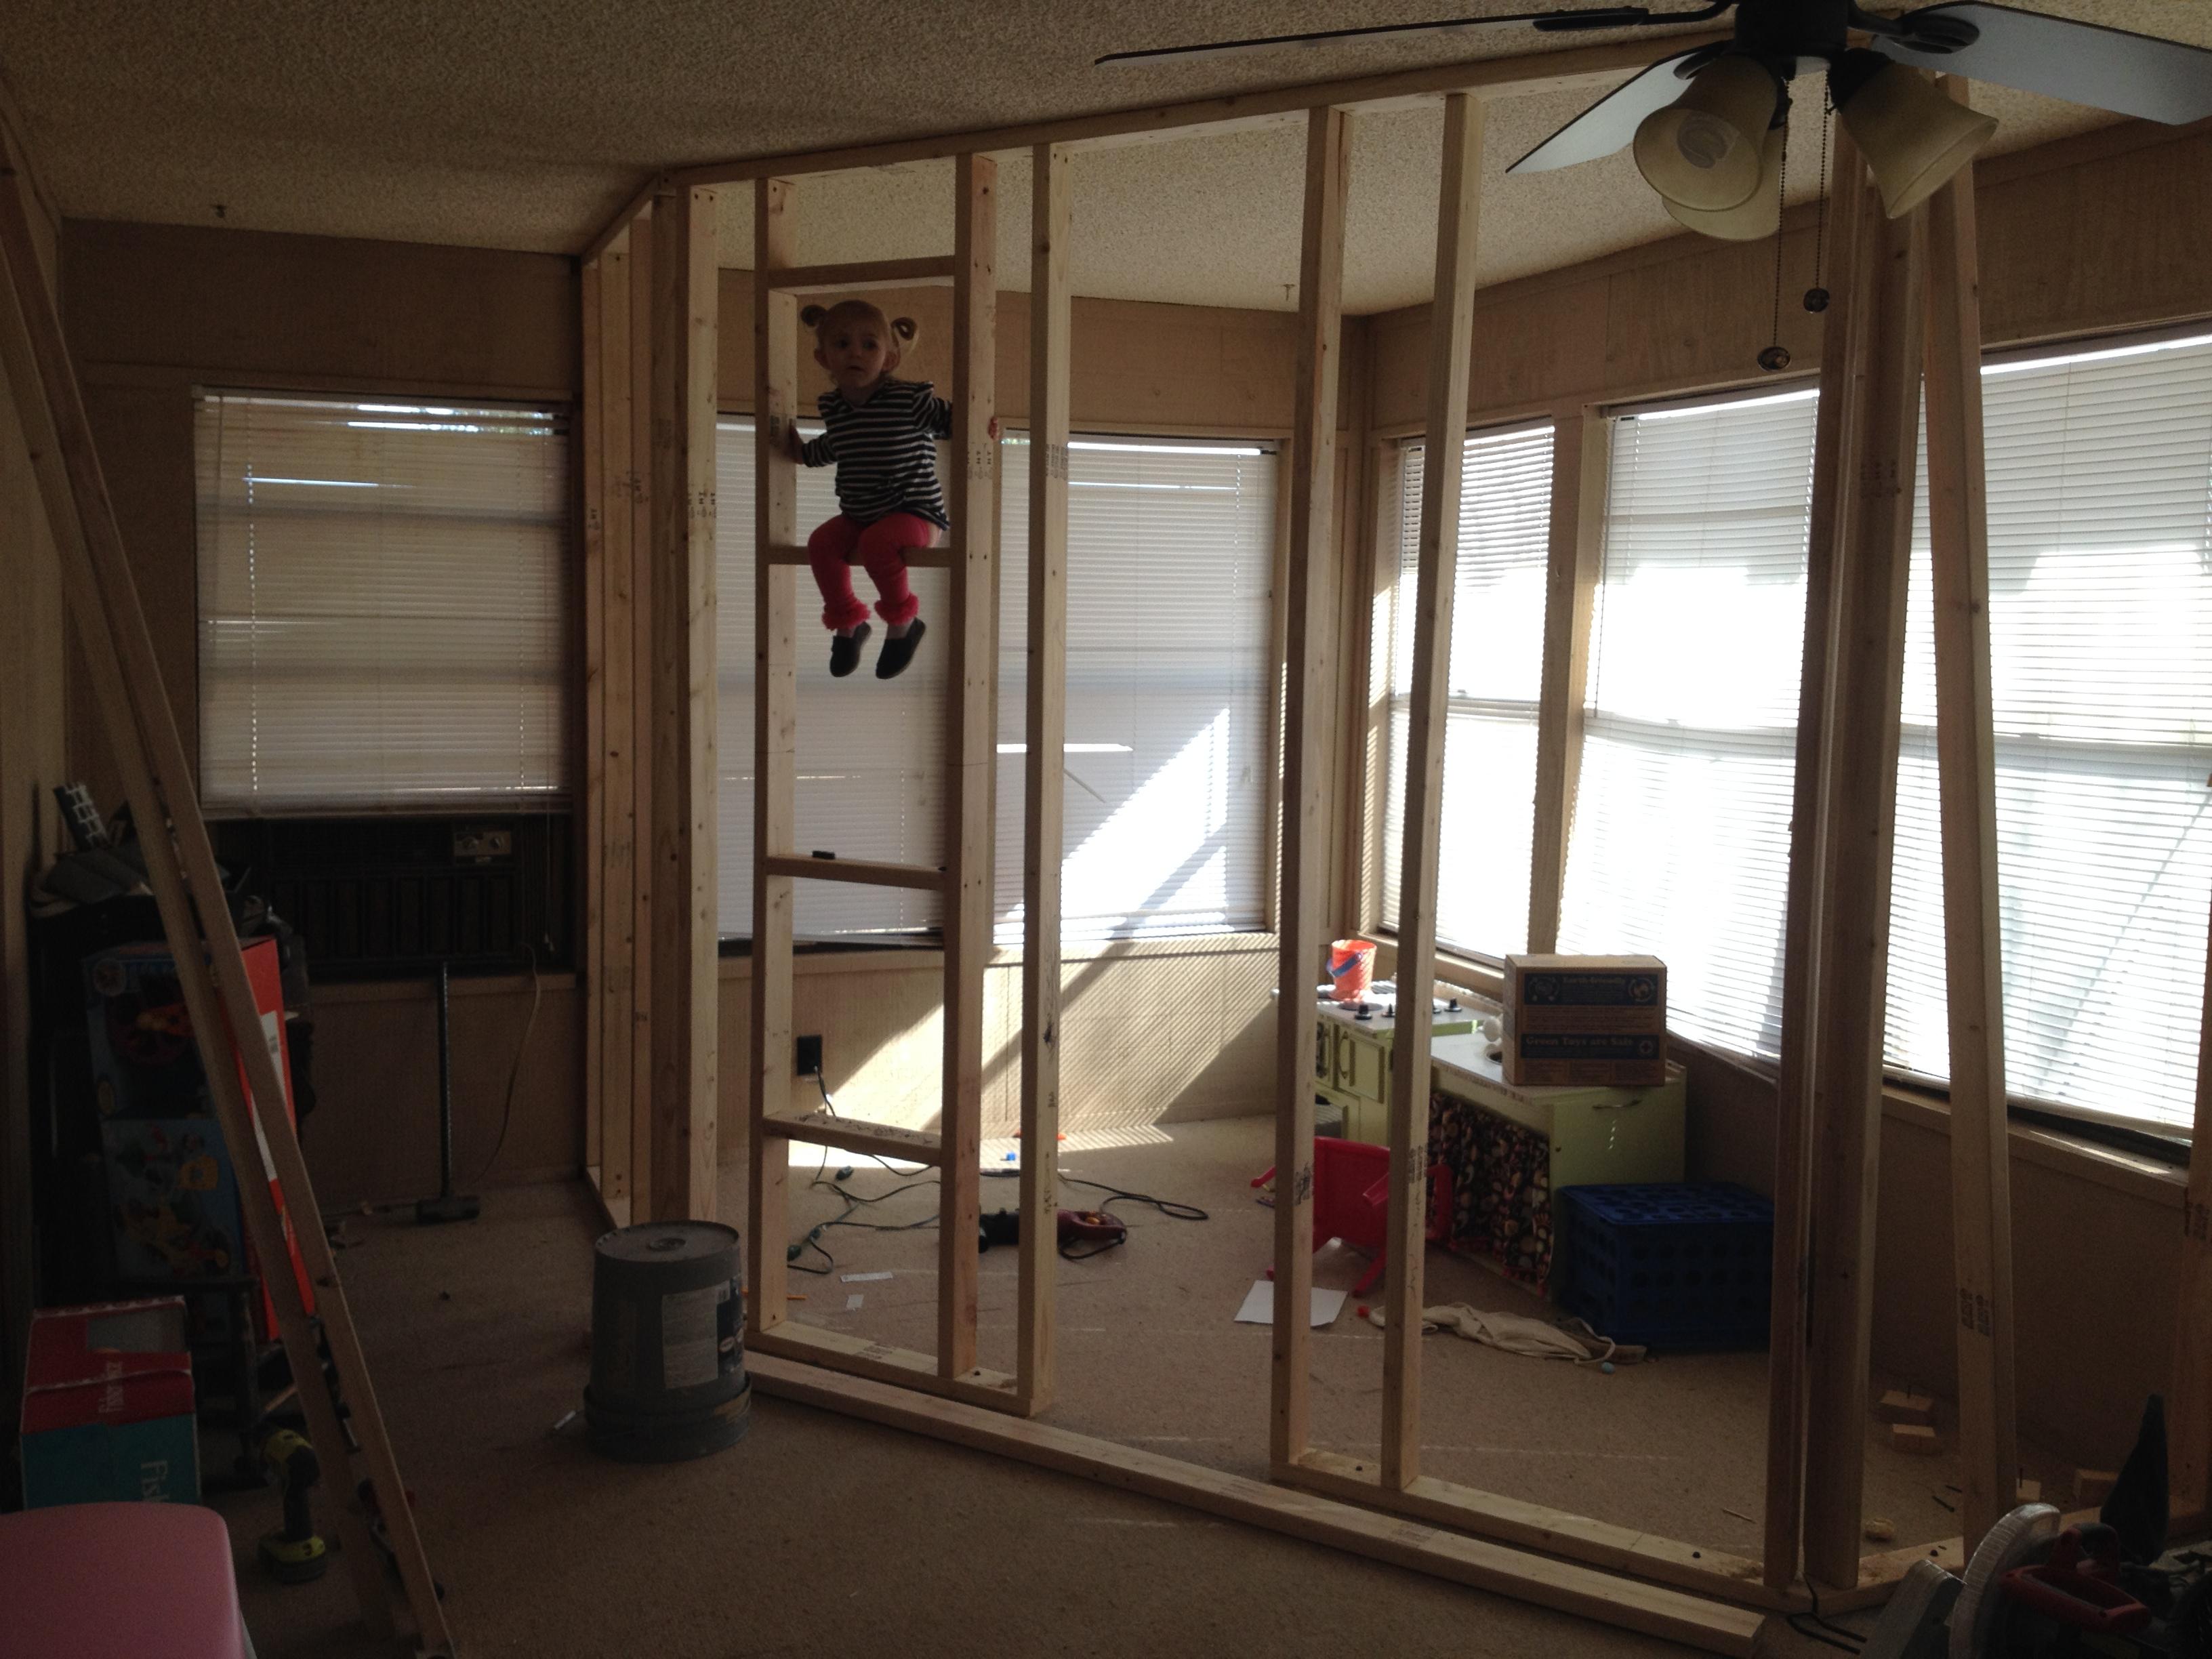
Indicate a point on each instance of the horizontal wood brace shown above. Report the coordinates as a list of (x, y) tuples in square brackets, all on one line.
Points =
[(879, 1362), (917, 558), (867, 273), (852, 1135), (868, 872)]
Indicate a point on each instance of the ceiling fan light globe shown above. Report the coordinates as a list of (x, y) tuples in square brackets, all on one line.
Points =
[(1913, 138), (1705, 151), (1755, 218)]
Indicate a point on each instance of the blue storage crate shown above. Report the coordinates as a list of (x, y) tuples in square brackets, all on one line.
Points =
[(1676, 1264)]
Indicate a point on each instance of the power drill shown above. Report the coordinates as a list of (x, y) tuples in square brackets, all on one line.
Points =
[(294, 1555)]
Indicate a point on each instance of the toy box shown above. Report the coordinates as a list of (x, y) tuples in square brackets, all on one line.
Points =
[(107, 1405), (173, 1186)]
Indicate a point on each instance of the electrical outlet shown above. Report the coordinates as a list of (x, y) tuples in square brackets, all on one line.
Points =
[(808, 1060), (478, 845)]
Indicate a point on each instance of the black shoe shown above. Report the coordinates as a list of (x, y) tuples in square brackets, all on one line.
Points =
[(845, 651), (898, 651)]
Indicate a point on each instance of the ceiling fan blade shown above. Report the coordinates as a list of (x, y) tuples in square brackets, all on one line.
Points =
[(1556, 21), (2129, 74), (1610, 123)]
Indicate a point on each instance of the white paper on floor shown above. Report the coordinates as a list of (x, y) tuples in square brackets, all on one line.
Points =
[(1259, 1307), (860, 1278), (853, 1303)]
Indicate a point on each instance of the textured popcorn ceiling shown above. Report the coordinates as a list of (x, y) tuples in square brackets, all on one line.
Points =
[(525, 124)]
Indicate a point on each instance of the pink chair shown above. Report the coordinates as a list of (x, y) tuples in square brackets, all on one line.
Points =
[(118, 1581), (1352, 1200)]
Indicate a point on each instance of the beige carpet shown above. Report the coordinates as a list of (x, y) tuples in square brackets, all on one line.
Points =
[(820, 1534)]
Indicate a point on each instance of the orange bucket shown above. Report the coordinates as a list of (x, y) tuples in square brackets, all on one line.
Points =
[(1352, 968)]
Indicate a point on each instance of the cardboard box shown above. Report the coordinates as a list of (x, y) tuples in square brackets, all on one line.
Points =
[(1611, 995), (1541, 1059), (107, 1405)]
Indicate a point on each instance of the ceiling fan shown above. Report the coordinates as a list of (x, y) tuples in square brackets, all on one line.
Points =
[(1707, 126)]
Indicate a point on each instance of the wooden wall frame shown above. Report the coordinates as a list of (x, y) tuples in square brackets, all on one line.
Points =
[(1836, 931)]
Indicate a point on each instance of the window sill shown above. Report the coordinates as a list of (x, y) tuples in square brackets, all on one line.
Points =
[(2138, 1177)]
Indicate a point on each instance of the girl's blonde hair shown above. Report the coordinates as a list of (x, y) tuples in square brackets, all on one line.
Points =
[(899, 333)]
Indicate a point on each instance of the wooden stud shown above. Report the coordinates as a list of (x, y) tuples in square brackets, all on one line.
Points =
[(871, 273), (970, 757), (593, 808), (644, 258), (1916, 1439), (1897, 1406), (1974, 945), (687, 316), (1451, 338), (126, 676), (1569, 1588), (1043, 768), (2094, 1487), (1308, 658), (613, 988), (1866, 694), (867, 872), (1789, 1321), (775, 733), (1581, 454), (2189, 1399)]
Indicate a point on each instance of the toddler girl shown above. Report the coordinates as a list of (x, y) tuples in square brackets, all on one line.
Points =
[(881, 435)]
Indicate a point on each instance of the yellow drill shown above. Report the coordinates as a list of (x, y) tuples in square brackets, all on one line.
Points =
[(295, 1554)]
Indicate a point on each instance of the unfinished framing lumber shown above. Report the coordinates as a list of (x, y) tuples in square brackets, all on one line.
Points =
[(1044, 762), (2189, 1412), (1862, 731), (917, 558), (157, 774), (775, 735), (1974, 945), (1305, 820), (644, 259), (686, 317), (970, 757), (592, 841), (1451, 338), (1789, 1307), (872, 273), (1569, 1587), (965, 880), (614, 972), (1582, 455), (1577, 68)]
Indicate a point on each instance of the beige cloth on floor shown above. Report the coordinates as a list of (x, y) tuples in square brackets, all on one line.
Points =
[(1570, 1339)]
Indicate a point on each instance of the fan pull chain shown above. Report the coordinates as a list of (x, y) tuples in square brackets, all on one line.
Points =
[(1776, 357), (1816, 297)]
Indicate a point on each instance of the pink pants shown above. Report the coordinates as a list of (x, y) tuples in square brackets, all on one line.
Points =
[(836, 542)]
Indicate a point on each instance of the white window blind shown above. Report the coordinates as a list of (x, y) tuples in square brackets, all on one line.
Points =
[(1496, 675), (871, 753), (1680, 845), (1170, 569), (383, 611), (2100, 629)]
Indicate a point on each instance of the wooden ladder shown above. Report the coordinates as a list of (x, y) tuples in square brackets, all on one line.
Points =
[(180, 868), (964, 881)]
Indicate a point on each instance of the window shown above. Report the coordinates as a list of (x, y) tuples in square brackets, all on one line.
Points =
[(383, 616), (1171, 551), (2099, 471), (1495, 678), (1169, 573), (1680, 845)]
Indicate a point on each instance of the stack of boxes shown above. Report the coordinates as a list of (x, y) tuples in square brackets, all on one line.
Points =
[(107, 1407), (1582, 1021)]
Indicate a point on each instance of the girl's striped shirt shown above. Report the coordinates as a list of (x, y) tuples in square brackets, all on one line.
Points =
[(885, 451)]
